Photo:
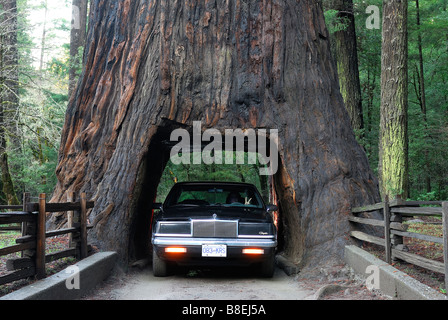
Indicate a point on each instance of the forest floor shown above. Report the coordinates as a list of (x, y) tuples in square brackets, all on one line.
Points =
[(52, 245)]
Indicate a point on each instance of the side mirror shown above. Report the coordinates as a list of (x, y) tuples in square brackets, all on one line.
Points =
[(157, 206), (271, 207)]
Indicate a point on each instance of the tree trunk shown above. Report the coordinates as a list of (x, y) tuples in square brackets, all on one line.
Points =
[(422, 100), (153, 66), (347, 62), (370, 88), (44, 36), (8, 185), (393, 146), (10, 55), (78, 36), (9, 88)]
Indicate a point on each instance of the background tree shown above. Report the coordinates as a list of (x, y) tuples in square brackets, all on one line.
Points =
[(427, 65), (369, 53), (393, 150), (345, 50), (33, 129), (78, 36), (430, 139), (420, 91), (9, 88)]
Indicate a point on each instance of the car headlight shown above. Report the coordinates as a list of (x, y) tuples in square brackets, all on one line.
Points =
[(173, 228), (255, 229)]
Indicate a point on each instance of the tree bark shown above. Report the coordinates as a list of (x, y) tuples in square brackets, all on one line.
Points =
[(393, 145), (347, 63), (153, 66)]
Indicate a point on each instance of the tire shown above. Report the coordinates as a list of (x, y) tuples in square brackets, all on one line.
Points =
[(159, 267), (267, 267)]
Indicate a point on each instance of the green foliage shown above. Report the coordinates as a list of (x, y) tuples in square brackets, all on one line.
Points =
[(215, 172), (430, 196), (334, 22), (8, 239), (43, 95)]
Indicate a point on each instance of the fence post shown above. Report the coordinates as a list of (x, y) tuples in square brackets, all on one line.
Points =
[(445, 240), (388, 246), (41, 238), (70, 198), (83, 230), (396, 240), (25, 200)]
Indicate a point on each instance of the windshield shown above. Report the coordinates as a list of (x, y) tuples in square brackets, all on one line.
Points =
[(209, 195)]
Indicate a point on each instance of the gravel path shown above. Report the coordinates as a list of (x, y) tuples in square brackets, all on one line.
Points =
[(224, 285)]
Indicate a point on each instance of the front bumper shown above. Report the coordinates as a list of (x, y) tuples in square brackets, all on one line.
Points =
[(238, 242), (193, 254)]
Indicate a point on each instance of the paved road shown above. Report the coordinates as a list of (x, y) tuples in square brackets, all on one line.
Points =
[(206, 285)]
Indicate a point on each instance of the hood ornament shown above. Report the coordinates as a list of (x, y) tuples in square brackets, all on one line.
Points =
[(215, 216)]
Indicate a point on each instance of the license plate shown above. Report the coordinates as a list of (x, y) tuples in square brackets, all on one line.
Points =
[(214, 251)]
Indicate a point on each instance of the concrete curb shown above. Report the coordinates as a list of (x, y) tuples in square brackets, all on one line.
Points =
[(392, 282), (92, 271)]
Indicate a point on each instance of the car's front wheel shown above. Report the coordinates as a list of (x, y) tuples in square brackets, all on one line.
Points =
[(159, 267)]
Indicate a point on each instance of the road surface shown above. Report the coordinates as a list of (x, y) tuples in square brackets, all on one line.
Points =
[(239, 284)]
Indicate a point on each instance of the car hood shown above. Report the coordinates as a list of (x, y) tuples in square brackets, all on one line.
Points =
[(213, 212)]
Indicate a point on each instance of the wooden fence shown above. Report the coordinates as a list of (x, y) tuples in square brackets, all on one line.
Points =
[(32, 243), (395, 230)]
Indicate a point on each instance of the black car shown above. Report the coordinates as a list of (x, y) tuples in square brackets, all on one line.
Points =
[(214, 224)]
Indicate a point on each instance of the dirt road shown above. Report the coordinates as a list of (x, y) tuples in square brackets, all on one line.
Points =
[(202, 285), (239, 284)]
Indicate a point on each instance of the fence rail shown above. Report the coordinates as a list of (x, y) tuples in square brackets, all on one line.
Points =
[(32, 243), (395, 230)]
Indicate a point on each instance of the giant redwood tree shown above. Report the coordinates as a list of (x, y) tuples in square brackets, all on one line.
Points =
[(154, 66)]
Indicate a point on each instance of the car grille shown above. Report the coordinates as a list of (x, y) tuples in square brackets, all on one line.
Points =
[(215, 228)]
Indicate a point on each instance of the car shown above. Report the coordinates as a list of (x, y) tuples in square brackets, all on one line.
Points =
[(214, 224)]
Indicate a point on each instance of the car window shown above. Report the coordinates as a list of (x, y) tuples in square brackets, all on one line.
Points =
[(235, 196)]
